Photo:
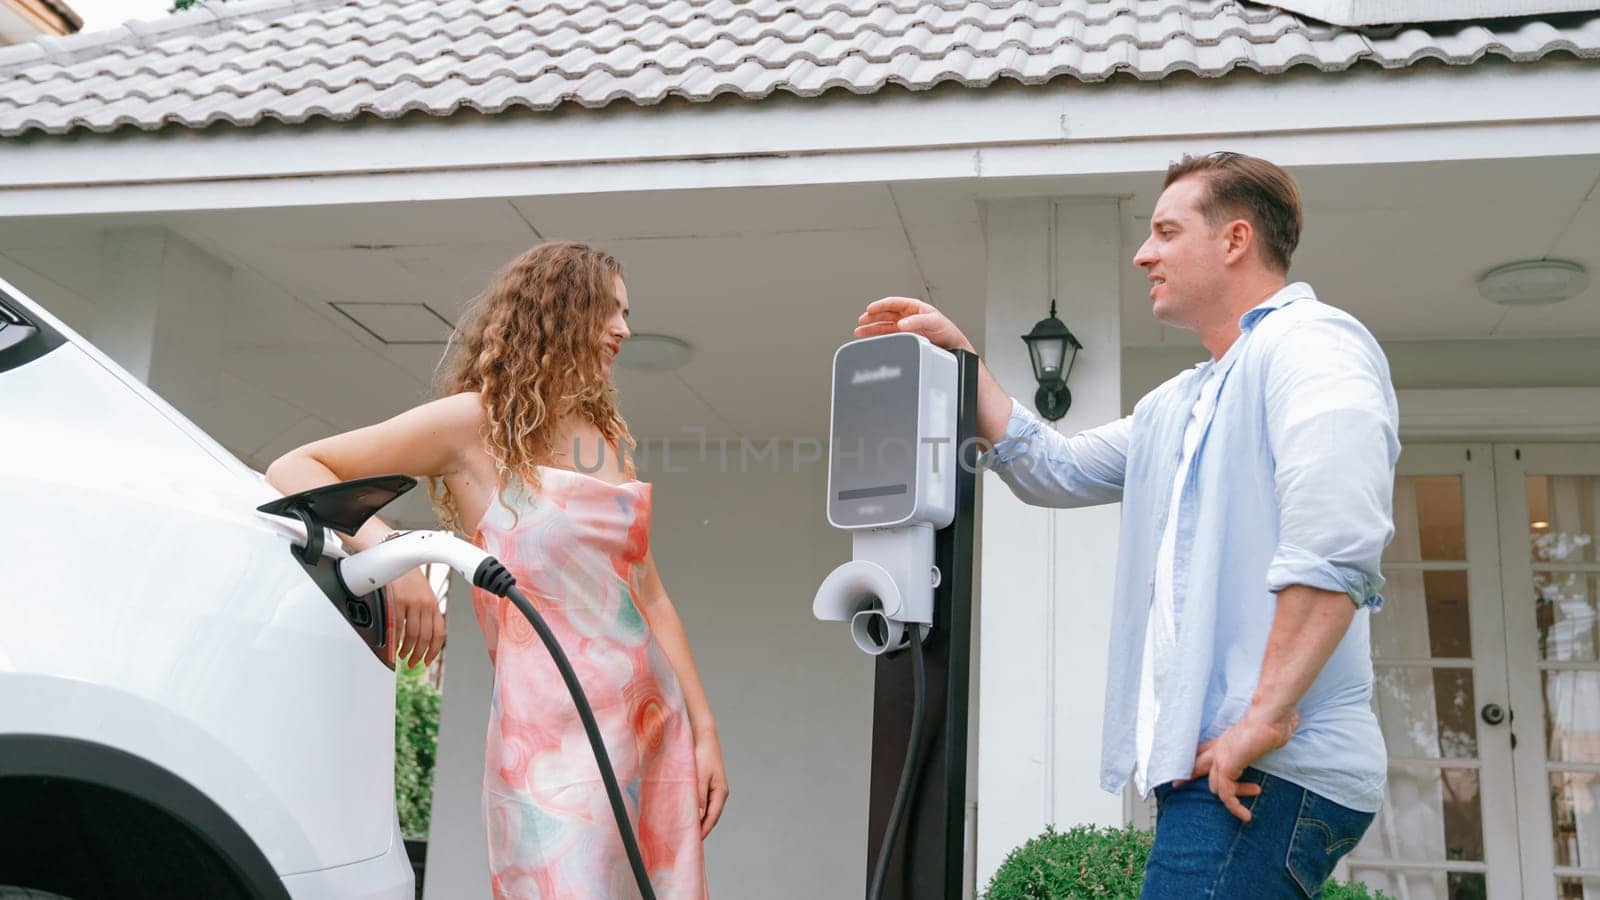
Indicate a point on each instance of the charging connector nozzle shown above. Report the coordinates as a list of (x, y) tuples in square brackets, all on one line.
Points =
[(382, 563)]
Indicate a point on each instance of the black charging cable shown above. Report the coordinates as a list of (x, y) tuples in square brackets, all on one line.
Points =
[(493, 577), (897, 812)]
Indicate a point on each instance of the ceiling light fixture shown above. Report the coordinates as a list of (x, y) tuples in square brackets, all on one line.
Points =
[(1533, 282), (654, 353)]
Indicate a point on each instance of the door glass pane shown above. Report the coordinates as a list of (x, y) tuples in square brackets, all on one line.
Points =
[(1578, 888), (1431, 885), (1429, 520), (1425, 615), (1572, 716), (1426, 713), (1428, 815), (1575, 814), (1561, 517), (1565, 606), (1467, 886)]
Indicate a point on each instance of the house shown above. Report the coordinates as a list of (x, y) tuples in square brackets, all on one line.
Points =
[(273, 211), (24, 20)]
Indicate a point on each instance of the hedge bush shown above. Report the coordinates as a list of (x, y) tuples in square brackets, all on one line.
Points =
[(416, 740), (1099, 862), (1351, 890), (1083, 862)]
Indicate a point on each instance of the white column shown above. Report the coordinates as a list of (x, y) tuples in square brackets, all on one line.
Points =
[(160, 313), (458, 859), (1047, 575)]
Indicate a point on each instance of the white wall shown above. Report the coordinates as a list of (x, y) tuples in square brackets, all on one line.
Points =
[(1047, 574), (741, 555), (151, 300), (457, 864), (160, 311)]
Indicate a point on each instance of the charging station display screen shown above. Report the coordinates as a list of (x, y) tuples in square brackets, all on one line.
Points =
[(872, 464)]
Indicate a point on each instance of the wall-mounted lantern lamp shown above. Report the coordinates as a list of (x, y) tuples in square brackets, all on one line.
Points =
[(1050, 345)]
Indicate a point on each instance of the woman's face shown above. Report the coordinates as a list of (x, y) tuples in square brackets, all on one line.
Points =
[(616, 328)]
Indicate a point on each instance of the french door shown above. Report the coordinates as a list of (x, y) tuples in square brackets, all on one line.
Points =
[(1486, 661), (1439, 673), (1551, 577)]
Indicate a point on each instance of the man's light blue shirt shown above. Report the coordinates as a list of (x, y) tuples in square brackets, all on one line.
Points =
[(1291, 483)]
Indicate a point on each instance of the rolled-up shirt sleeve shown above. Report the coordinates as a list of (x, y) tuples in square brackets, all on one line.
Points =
[(1332, 426), (1046, 468)]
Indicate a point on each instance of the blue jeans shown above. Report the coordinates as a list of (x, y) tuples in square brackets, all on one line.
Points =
[(1288, 849)]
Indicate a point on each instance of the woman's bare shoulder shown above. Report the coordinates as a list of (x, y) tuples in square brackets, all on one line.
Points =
[(456, 412), (455, 420), (463, 414), (465, 406)]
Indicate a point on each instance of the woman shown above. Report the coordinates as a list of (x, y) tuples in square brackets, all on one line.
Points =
[(526, 402)]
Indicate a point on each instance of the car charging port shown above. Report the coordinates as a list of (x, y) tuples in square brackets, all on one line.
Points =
[(343, 507)]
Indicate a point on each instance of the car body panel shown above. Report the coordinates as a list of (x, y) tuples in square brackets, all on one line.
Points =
[(147, 606)]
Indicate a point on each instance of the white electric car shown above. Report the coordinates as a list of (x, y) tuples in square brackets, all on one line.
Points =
[(184, 711)]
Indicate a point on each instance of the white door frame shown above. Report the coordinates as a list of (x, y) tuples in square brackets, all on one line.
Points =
[(1458, 414), (1513, 464), (1501, 864)]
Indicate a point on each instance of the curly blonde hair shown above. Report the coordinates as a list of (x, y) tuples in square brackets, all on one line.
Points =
[(531, 345)]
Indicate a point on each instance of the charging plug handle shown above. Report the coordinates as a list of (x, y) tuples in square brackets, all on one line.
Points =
[(376, 566), (493, 577)]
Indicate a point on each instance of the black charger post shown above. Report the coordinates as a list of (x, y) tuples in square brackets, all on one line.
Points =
[(927, 857)]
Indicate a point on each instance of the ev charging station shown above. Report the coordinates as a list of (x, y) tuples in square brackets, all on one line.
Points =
[(902, 463)]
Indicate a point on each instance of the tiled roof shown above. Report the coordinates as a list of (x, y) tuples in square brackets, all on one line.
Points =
[(298, 60)]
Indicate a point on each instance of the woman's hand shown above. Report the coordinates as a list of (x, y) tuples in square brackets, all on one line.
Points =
[(713, 780), (416, 626)]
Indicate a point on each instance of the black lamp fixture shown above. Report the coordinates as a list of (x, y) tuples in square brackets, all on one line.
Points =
[(1050, 345)]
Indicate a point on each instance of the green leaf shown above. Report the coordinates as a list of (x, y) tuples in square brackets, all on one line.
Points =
[(416, 742)]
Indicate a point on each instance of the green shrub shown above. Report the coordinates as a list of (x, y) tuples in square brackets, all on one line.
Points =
[(1099, 862), (1083, 862), (1351, 890), (416, 740)]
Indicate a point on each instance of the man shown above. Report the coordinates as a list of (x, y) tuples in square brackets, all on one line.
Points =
[(1256, 493)]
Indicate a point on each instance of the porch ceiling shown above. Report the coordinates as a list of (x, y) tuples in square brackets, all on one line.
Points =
[(1402, 247), (764, 282)]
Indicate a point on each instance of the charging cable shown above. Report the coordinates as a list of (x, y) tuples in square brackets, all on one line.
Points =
[(897, 812)]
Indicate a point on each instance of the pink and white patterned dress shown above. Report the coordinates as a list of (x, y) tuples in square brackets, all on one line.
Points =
[(577, 548)]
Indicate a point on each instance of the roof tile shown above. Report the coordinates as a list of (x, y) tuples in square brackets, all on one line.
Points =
[(295, 60)]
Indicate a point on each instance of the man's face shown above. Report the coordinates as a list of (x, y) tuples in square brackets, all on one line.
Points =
[(1183, 256)]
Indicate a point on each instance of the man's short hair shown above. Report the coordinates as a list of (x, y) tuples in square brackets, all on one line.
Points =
[(1244, 187)]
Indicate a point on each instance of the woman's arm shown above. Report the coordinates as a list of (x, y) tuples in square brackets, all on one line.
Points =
[(430, 440), (658, 610)]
